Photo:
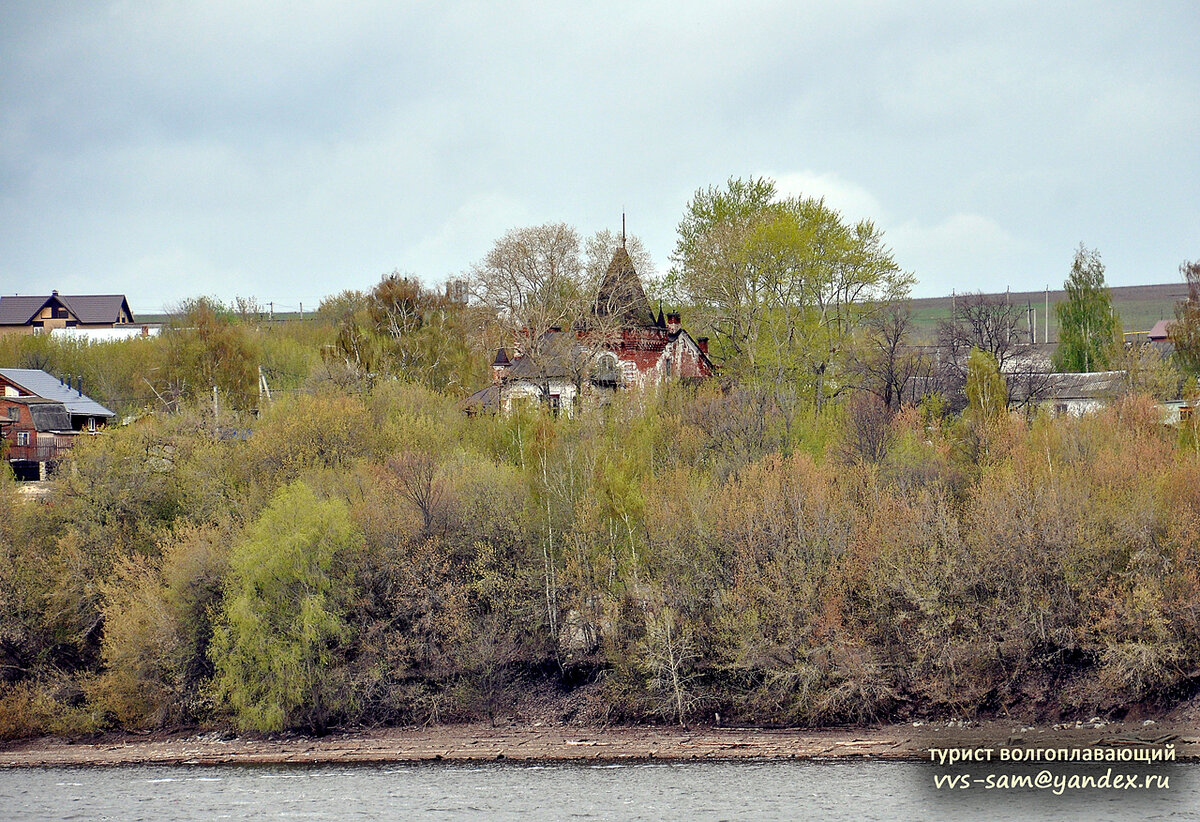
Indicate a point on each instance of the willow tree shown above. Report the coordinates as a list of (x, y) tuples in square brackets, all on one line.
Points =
[(276, 644), (987, 394), (207, 348), (1089, 330), (782, 283)]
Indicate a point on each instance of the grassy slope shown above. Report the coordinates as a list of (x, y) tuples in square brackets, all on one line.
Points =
[(1139, 306)]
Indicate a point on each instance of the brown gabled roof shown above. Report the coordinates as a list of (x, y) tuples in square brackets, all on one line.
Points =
[(89, 309), (1161, 330), (621, 293), (20, 310)]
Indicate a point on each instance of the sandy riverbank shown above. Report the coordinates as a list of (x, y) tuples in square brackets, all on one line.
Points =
[(568, 743)]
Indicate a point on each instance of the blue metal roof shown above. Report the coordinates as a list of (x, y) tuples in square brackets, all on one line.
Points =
[(41, 384)]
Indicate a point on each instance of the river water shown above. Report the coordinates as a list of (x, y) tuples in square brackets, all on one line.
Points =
[(851, 791)]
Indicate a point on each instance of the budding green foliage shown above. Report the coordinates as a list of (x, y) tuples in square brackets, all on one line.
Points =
[(282, 623), (1089, 328), (987, 395)]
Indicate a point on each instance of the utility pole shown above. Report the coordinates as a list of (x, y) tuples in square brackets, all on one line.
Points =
[(1046, 333), (263, 388), (1008, 328)]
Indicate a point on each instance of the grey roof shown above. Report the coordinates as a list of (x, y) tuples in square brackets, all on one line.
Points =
[(561, 356), (89, 309), (41, 384), (557, 352), (487, 398), (50, 416), (1086, 385)]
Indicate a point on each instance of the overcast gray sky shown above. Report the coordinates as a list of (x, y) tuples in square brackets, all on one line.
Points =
[(288, 151)]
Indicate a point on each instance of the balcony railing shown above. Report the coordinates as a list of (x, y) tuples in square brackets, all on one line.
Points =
[(36, 453)]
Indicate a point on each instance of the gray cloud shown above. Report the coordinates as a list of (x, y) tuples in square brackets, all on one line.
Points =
[(288, 151)]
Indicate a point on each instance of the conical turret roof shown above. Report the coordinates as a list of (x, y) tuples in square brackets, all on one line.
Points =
[(621, 293)]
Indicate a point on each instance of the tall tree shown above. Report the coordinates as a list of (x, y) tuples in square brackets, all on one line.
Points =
[(783, 282), (532, 282), (206, 347), (987, 394), (403, 328), (885, 362), (1089, 329), (982, 321), (991, 324), (1185, 331)]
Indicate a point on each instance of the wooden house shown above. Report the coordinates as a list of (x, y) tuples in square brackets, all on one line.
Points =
[(40, 418)]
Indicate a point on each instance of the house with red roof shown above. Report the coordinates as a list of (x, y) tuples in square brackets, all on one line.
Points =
[(622, 345)]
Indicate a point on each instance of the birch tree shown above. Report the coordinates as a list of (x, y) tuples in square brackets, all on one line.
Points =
[(1089, 328)]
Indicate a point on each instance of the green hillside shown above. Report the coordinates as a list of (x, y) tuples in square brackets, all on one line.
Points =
[(1139, 306)]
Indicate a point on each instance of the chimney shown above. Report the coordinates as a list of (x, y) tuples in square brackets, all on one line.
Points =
[(673, 322), (702, 342)]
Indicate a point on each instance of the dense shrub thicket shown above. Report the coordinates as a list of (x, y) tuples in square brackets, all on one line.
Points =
[(841, 529), (366, 554)]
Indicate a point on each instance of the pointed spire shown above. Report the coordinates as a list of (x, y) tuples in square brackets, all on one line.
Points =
[(621, 293), (622, 229)]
